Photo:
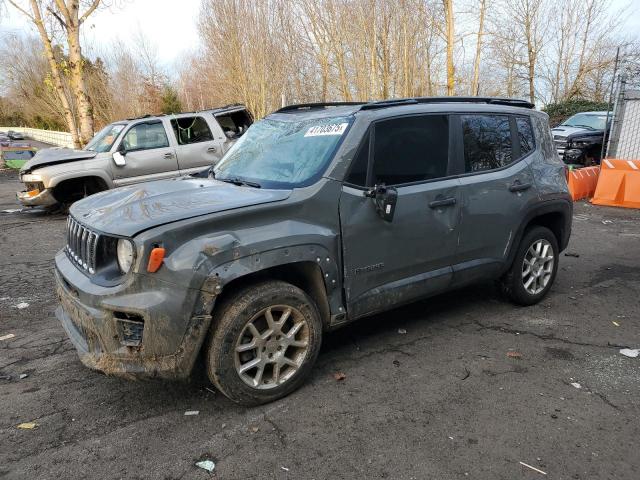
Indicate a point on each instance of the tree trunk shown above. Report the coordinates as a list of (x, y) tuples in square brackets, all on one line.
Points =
[(475, 84), (85, 115), (450, 38)]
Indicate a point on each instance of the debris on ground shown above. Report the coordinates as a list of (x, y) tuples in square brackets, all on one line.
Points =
[(615, 323), (402, 331), (28, 425), (285, 469), (607, 222), (254, 429), (7, 336), (207, 465), (339, 376), (23, 375), (514, 354), (22, 305), (571, 254), (576, 385), (189, 413), (630, 352), (533, 468), (12, 210), (5, 377)]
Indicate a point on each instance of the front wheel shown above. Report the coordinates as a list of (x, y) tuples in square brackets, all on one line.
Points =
[(534, 267), (264, 342)]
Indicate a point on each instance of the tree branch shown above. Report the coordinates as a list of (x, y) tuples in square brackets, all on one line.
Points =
[(58, 17), (89, 11), (23, 11)]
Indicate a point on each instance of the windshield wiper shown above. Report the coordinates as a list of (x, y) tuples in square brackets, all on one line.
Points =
[(583, 126), (239, 181)]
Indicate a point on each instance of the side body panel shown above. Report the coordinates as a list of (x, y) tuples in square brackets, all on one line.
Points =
[(149, 164), (194, 157), (388, 263)]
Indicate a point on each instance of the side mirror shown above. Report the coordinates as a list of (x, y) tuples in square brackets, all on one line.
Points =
[(384, 199), (118, 159)]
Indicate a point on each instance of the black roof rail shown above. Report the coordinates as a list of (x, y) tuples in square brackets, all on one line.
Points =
[(513, 102), (388, 103), (309, 106)]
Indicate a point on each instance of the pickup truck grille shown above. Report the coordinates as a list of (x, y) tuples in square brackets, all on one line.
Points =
[(82, 245), (561, 144)]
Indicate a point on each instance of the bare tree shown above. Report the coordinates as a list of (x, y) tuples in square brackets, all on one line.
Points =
[(475, 84), (69, 18)]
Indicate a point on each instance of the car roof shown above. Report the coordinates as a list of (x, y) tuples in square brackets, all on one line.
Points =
[(399, 106), (234, 107)]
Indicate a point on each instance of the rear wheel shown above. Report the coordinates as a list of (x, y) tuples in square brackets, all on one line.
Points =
[(264, 342), (534, 268)]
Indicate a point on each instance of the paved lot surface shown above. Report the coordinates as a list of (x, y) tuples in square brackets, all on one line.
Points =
[(441, 401)]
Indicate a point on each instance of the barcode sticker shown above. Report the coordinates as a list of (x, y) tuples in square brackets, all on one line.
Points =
[(328, 129)]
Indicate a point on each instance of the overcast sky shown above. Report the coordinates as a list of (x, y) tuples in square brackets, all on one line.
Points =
[(171, 25)]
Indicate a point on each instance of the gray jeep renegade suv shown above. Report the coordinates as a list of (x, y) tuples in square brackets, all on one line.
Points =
[(319, 215)]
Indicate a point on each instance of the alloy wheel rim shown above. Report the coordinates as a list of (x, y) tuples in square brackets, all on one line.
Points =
[(272, 347), (537, 266)]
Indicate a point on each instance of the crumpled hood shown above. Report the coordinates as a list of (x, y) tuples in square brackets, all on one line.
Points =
[(127, 211), (567, 131), (50, 156)]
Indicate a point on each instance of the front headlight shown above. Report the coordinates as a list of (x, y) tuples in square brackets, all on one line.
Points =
[(126, 254), (31, 178)]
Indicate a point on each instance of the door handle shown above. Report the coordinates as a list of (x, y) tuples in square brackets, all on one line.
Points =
[(212, 150), (168, 155), (445, 202), (519, 187)]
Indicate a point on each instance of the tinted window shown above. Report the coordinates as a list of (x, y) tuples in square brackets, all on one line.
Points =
[(525, 135), (358, 173), (191, 130), (411, 149), (145, 136), (487, 142)]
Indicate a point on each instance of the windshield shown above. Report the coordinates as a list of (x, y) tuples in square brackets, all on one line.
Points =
[(277, 154), (595, 122), (104, 139)]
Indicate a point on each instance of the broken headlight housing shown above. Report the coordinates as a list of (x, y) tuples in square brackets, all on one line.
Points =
[(125, 254)]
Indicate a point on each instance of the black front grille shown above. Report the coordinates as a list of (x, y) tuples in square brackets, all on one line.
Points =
[(82, 245)]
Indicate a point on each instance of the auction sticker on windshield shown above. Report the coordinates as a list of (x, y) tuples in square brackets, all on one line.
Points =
[(328, 129)]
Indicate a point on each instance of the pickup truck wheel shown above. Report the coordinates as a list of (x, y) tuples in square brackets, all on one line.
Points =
[(534, 268), (264, 342)]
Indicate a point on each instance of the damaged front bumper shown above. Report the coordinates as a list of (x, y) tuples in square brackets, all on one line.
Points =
[(36, 198), (138, 329)]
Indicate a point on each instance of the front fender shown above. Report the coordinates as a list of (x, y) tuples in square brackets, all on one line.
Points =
[(58, 178)]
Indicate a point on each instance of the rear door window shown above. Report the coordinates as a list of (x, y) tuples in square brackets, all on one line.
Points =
[(487, 142), (191, 130), (411, 149), (525, 135)]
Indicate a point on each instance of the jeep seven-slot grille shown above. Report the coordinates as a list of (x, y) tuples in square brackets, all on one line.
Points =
[(82, 245)]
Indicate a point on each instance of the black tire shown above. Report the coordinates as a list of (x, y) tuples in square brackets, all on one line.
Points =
[(513, 284), (229, 328)]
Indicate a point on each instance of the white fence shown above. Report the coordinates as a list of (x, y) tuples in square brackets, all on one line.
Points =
[(60, 139)]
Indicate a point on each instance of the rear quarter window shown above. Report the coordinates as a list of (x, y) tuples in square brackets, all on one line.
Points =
[(487, 142)]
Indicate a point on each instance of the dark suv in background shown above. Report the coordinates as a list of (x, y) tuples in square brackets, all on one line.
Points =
[(319, 215), (579, 138)]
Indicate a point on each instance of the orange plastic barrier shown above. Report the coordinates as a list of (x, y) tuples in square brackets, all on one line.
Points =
[(582, 182), (619, 184)]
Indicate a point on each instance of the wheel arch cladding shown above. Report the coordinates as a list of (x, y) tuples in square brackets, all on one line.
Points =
[(555, 215), (309, 267)]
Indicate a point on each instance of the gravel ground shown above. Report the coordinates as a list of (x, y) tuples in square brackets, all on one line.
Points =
[(429, 390)]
